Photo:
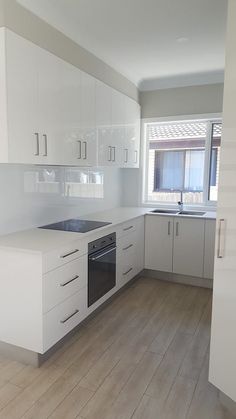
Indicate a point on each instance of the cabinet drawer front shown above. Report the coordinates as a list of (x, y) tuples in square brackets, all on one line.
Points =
[(63, 282), (127, 243), (126, 269), (128, 227), (65, 254), (63, 318)]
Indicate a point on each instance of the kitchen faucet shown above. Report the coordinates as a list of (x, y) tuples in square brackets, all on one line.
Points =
[(180, 203)]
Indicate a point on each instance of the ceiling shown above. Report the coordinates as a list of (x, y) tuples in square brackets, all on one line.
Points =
[(154, 43)]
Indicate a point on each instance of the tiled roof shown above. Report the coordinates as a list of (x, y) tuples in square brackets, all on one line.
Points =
[(181, 130)]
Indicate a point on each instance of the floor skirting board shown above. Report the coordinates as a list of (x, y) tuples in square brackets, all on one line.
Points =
[(180, 279)]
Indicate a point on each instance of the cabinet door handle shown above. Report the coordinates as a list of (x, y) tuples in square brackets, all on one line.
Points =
[(177, 229), (114, 154), (79, 151), (69, 317), (136, 157), (128, 247), (220, 245), (126, 155), (85, 150), (168, 228), (45, 145), (36, 153), (127, 228), (109, 153), (63, 284), (127, 272), (69, 254)]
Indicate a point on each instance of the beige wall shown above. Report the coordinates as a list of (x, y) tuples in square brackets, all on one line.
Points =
[(23, 22), (182, 101)]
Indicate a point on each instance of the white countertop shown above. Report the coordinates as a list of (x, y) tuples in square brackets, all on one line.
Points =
[(39, 240)]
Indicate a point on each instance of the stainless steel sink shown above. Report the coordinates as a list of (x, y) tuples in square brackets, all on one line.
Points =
[(191, 213), (163, 211)]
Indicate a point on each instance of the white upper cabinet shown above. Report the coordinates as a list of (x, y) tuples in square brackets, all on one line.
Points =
[(20, 83), (132, 133), (103, 123), (87, 121), (53, 113)]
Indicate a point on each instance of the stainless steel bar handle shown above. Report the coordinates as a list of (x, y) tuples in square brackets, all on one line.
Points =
[(127, 272), (128, 247), (114, 154), (126, 155), (85, 150), (45, 145), (80, 151), (136, 157), (103, 254), (69, 317), (220, 245), (127, 228), (37, 144), (63, 284), (168, 228), (177, 229), (69, 254), (109, 153)]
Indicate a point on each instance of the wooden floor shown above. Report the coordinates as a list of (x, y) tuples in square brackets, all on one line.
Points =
[(144, 356)]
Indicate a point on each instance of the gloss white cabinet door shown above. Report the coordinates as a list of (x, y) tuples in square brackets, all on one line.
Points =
[(21, 84), (132, 133), (87, 133), (223, 337), (188, 250), (104, 123), (159, 243)]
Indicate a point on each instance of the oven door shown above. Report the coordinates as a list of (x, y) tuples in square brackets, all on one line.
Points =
[(101, 273)]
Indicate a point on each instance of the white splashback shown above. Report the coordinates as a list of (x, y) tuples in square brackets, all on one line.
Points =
[(32, 195)]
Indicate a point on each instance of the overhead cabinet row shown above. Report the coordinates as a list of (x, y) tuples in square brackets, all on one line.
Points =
[(53, 113)]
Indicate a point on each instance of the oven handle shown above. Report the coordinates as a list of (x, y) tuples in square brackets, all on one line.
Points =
[(103, 254)]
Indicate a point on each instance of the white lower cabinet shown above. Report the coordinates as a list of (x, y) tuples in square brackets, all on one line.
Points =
[(63, 282), (180, 245), (63, 318), (130, 251), (159, 243), (188, 250)]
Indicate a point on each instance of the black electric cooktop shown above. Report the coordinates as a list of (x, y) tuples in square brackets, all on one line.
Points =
[(76, 225)]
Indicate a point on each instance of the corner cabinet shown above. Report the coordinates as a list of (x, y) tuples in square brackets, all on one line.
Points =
[(180, 245), (53, 113)]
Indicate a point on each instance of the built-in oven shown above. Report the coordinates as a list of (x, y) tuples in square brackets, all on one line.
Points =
[(101, 267)]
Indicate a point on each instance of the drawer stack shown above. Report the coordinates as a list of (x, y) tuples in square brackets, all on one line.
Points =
[(130, 250), (64, 292)]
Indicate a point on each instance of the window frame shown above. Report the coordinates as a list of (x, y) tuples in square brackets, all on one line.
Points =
[(211, 119)]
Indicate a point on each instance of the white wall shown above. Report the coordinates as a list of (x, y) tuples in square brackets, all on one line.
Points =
[(32, 196), (189, 100)]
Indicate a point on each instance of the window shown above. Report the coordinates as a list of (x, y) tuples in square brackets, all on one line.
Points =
[(182, 157)]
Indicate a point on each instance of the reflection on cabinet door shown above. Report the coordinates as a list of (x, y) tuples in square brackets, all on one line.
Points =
[(158, 243), (188, 246)]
